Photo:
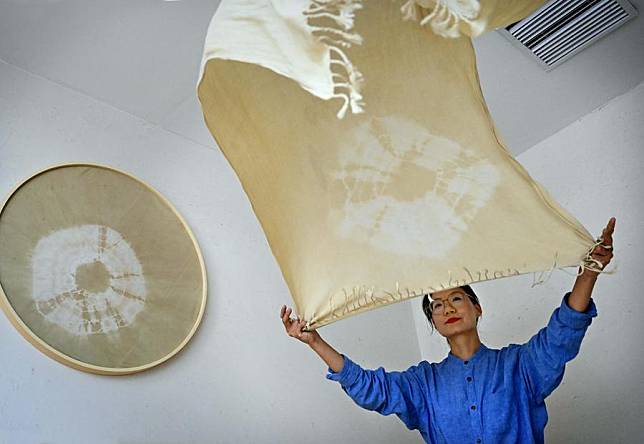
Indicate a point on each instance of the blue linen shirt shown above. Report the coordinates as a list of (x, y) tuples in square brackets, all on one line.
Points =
[(496, 396)]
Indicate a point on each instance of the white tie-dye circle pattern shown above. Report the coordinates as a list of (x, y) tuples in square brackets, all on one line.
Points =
[(408, 191), (87, 280)]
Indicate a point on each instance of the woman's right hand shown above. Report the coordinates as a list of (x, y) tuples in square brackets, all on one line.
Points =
[(294, 327)]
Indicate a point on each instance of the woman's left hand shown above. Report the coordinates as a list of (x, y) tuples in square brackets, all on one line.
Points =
[(604, 251)]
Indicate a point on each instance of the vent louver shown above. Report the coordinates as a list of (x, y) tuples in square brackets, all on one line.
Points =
[(562, 28)]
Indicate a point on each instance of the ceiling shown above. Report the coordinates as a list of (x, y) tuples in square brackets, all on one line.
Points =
[(143, 56)]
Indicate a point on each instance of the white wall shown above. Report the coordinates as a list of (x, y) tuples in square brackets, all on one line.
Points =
[(241, 379), (594, 168)]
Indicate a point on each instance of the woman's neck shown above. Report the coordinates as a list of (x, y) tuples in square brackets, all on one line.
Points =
[(464, 345)]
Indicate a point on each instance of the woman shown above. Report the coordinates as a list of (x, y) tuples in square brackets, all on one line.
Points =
[(476, 394)]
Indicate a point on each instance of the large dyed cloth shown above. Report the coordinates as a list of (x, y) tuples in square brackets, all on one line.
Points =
[(359, 132)]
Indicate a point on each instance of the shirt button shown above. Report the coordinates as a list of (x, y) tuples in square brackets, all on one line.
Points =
[(473, 407), (469, 379), (478, 440), (466, 362)]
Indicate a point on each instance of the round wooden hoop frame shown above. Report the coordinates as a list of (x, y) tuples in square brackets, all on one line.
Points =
[(41, 345)]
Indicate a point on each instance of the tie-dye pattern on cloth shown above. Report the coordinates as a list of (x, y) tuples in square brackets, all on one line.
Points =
[(360, 134)]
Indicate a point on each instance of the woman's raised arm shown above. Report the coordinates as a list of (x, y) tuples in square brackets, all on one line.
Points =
[(294, 328), (603, 253), (402, 393), (543, 358)]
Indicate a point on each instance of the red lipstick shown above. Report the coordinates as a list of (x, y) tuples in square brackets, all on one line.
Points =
[(452, 320)]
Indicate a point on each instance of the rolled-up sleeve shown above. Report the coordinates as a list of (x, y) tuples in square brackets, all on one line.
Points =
[(543, 358), (402, 393)]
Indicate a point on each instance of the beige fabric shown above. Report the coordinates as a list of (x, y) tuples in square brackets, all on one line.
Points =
[(360, 134), (99, 267)]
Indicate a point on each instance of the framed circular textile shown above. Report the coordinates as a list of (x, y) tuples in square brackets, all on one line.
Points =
[(98, 270)]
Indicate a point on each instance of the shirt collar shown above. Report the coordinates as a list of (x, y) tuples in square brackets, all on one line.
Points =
[(475, 357)]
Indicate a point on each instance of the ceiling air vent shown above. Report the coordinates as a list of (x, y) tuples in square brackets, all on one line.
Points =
[(562, 28)]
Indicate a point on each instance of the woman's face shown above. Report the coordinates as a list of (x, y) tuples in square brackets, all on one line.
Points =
[(453, 312)]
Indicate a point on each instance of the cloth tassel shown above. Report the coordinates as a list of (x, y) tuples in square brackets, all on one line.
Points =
[(342, 12), (592, 264), (587, 263), (445, 16)]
